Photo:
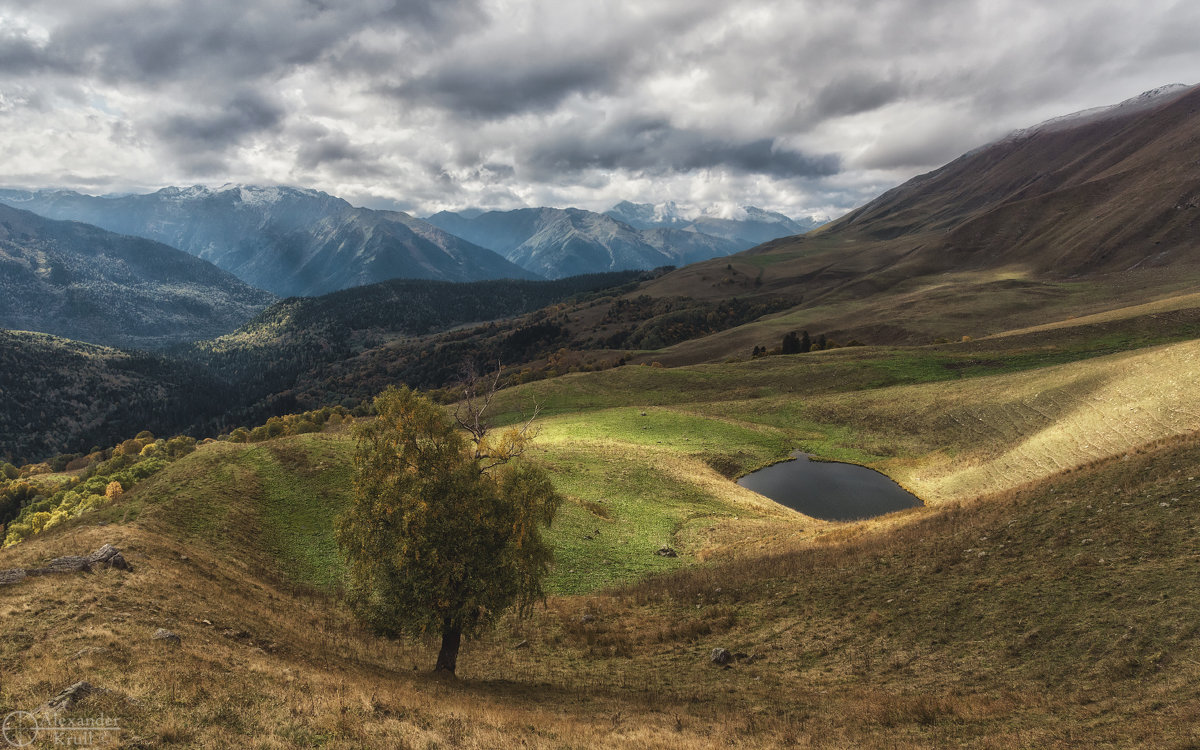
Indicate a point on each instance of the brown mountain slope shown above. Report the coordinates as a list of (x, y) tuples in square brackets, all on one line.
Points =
[(1063, 219)]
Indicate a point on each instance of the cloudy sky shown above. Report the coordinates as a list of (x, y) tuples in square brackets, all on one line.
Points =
[(803, 106)]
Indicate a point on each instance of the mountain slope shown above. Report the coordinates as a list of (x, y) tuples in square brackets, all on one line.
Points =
[(286, 240), (84, 283), (1074, 217), (557, 242), (1109, 191)]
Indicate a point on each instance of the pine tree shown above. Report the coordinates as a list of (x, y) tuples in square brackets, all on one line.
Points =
[(791, 344)]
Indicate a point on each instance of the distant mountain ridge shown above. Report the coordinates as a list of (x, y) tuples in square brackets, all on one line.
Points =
[(560, 242), (748, 227), (81, 282), (289, 241)]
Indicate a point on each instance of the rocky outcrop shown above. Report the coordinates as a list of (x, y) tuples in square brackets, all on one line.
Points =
[(107, 556), (67, 699)]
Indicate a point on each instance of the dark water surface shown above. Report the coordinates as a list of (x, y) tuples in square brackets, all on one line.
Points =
[(828, 490)]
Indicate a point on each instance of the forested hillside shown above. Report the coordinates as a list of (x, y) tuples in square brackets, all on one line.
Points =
[(81, 282), (62, 396)]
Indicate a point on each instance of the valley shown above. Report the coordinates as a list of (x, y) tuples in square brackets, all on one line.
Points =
[(895, 630), (1013, 338)]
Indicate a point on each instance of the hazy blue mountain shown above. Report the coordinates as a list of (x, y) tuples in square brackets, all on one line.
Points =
[(82, 282), (286, 240), (748, 227), (559, 242)]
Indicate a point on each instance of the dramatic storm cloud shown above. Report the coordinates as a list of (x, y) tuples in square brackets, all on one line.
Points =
[(802, 106)]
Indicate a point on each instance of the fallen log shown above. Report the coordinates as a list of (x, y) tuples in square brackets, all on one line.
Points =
[(107, 556)]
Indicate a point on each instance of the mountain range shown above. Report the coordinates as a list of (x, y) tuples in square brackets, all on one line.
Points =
[(298, 242), (747, 227), (563, 242), (81, 282), (285, 240), (558, 242)]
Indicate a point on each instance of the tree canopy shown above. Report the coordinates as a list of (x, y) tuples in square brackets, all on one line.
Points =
[(444, 532)]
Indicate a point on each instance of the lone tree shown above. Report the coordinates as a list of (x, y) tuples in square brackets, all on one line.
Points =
[(444, 531)]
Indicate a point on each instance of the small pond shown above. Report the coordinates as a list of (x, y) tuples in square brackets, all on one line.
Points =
[(828, 490)]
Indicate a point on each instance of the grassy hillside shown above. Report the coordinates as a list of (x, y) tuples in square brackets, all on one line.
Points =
[(950, 422), (1044, 596), (1057, 615)]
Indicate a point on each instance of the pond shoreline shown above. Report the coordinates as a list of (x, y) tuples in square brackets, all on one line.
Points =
[(829, 490)]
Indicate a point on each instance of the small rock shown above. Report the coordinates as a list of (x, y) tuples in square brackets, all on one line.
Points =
[(87, 652), (162, 634), (586, 619), (720, 656), (65, 700), (665, 551)]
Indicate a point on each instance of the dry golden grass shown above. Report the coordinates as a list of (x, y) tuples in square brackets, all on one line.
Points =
[(1167, 304), (1063, 614), (964, 438)]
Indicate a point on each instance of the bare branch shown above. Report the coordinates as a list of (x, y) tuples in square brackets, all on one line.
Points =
[(471, 412)]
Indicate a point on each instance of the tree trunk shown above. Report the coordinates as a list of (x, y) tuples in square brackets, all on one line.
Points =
[(451, 638)]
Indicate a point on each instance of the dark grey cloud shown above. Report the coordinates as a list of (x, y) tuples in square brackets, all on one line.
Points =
[(329, 149), (444, 18), (655, 146), (495, 90), (19, 54), (219, 128), (335, 152), (854, 93), (219, 39)]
